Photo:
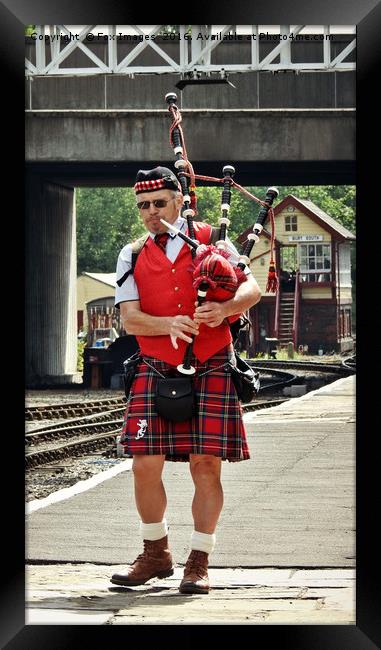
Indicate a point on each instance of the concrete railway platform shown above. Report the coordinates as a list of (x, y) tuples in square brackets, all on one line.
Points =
[(285, 551)]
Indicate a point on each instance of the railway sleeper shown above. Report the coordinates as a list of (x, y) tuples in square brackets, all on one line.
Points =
[(71, 449)]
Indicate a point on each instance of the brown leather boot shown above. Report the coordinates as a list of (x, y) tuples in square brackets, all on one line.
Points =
[(154, 562), (195, 580)]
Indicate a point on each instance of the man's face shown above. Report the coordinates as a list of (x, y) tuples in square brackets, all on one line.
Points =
[(152, 215)]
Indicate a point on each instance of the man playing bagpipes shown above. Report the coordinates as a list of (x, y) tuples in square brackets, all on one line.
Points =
[(157, 305)]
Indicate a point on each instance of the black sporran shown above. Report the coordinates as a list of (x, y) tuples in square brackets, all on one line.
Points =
[(175, 398), (129, 371), (245, 379)]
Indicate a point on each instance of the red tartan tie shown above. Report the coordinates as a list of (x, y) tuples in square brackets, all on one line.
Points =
[(161, 240)]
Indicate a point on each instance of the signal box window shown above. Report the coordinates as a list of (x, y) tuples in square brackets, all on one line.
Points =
[(315, 262), (291, 222)]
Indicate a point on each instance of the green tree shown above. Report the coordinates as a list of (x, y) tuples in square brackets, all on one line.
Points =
[(106, 220)]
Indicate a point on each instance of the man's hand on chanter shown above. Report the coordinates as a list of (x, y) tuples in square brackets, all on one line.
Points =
[(180, 328), (210, 313)]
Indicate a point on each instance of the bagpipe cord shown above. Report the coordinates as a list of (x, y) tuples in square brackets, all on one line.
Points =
[(272, 279), (177, 118)]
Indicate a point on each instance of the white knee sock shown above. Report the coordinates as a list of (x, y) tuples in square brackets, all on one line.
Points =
[(154, 531), (202, 542)]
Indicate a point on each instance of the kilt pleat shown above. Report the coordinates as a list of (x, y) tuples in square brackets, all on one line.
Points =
[(216, 428)]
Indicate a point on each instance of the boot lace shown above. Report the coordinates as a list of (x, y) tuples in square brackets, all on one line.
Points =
[(196, 564), (148, 553)]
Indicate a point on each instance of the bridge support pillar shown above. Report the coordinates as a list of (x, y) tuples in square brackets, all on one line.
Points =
[(50, 309)]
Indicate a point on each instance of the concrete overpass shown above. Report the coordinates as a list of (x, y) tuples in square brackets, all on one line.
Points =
[(306, 139)]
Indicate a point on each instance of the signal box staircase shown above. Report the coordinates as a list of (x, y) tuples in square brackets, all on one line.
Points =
[(287, 315), (286, 318)]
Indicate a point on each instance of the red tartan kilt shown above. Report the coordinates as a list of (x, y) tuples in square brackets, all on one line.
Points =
[(217, 428)]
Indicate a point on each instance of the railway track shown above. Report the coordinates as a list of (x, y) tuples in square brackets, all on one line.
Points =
[(350, 363), (99, 429), (84, 446), (72, 409), (279, 378), (86, 421), (73, 430), (347, 365)]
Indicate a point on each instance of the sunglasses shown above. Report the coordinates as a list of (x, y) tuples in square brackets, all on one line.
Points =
[(158, 203)]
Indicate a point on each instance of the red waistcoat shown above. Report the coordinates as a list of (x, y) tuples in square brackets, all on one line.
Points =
[(166, 289)]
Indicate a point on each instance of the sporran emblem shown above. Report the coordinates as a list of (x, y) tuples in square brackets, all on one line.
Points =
[(142, 424)]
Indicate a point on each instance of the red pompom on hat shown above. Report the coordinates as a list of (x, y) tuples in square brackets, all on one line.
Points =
[(159, 178)]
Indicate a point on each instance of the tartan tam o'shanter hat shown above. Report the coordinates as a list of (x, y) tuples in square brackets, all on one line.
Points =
[(159, 178)]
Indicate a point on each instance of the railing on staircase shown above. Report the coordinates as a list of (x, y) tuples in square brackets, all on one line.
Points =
[(295, 323), (277, 313)]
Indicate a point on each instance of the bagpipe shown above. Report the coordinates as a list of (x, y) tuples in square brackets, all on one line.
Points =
[(214, 277)]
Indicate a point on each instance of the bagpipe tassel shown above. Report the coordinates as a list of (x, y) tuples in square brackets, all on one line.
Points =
[(272, 279)]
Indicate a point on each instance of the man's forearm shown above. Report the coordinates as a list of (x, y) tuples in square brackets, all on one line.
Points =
[(245, 297), (139, 323), (145, 325)]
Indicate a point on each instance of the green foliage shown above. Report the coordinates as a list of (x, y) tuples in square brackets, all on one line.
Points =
[(243, 211), (168, 29), (172, 29), (107, 218), (80, 349), (29, 29)]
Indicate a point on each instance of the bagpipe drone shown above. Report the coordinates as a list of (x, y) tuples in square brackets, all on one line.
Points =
[(214, 277)]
